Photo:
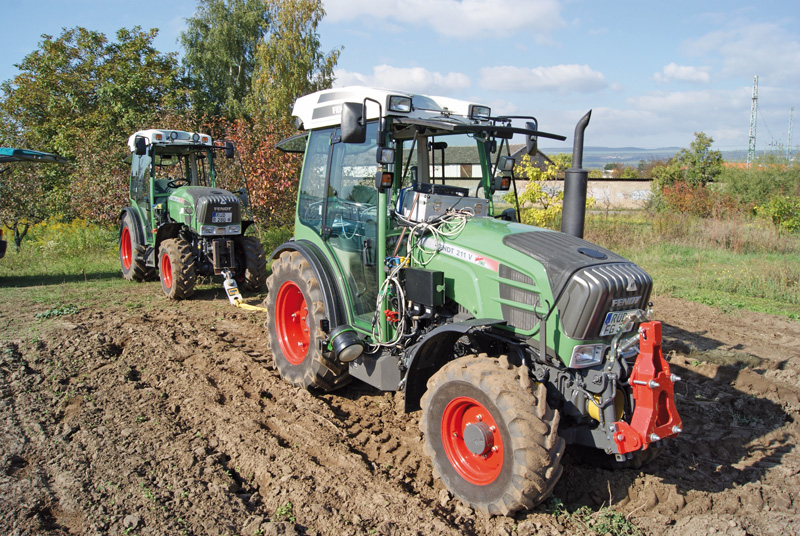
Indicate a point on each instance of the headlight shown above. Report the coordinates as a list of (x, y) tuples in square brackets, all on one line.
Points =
[(587, 355), (399, 104), (479, 113), (208, 230), (234, 229)]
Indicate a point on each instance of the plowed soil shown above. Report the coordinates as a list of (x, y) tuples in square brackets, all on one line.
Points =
[(171, 419)]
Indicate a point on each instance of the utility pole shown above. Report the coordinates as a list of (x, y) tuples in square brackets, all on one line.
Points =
[(751, 145), (789, 144)]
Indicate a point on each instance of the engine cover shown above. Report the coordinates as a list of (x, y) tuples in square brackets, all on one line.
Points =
[(215, 206), (588, 281)]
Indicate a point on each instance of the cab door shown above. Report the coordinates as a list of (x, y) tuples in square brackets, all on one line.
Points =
[(338, 201)]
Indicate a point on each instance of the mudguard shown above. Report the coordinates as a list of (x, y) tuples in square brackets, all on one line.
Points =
[(138, 228), (429, 354), (322, 271)]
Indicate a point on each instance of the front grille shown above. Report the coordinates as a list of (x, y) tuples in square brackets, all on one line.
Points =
[(595, 290)]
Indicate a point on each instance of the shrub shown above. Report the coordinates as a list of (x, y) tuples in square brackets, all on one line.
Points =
[(783, 211)]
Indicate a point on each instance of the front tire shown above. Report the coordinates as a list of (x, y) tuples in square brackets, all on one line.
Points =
[(490, 434), (294, 311), (131, 252), (177, 267), (251, 264)]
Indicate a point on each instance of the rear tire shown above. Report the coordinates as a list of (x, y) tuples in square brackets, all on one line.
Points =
[(177, 267), (490, 434), (131, 252), (251, 264), (294, 311)]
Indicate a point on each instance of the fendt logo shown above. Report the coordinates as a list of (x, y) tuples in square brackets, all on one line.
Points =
[(625, 302)]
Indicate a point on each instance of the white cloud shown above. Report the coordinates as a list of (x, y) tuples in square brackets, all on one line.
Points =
[(764, 49), (683, 73), (411, 79), (557, 79), (458, 18)]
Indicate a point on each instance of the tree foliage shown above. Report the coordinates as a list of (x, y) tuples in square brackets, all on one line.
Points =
[(220, 53), (543, 204), (290, 63)]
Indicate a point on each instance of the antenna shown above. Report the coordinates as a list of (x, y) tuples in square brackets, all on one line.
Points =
[(789, 145), (751, 145)]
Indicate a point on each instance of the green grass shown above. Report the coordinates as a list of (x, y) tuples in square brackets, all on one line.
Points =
[(730, 265)]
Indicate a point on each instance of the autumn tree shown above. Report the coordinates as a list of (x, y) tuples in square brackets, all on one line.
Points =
[(220, 45)]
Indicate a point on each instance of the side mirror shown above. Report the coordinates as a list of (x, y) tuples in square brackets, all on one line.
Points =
[(230, 149), (354, 127), (506, 163), (531, 142), (141, 146)]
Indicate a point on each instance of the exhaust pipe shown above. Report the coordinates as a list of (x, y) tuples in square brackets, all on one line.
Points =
[(573, 215)]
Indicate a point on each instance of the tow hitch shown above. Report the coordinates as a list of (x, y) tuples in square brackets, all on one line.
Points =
[(654, 416), (234, 296)]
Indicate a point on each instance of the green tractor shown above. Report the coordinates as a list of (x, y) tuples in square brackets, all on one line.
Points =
[(407, 274), (9, 155), (179, 224)]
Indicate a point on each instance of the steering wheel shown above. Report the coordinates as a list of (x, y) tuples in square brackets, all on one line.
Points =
[(177, 183)]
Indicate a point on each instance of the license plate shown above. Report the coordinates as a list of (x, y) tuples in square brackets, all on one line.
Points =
[(614, 322), (221, 217)]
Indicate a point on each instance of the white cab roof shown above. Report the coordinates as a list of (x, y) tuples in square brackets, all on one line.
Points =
[(324, 108), (169, 137)]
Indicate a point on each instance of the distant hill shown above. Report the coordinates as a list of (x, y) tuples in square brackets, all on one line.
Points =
[(595, 157)]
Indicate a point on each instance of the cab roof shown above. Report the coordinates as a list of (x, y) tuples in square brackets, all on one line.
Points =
[(324, 108), (167, 138)]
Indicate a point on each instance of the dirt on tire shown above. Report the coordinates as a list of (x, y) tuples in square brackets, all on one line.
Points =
[(171, 419)]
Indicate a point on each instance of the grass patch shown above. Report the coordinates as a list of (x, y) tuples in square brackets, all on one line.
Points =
[(726, 264)]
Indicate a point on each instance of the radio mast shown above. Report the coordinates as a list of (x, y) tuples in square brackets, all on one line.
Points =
[(751, 145)]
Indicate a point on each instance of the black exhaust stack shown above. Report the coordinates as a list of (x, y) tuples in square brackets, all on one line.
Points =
[(575, 185)]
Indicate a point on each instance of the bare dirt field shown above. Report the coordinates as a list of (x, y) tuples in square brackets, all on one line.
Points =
[(170, 419)]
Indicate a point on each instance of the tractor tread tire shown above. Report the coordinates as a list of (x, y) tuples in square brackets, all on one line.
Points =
[(138, 270), (529, 430), (317, 370), (184, 268), (254, 275)]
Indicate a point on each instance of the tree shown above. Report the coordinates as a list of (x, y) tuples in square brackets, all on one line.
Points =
[(220, 46), (24, 191), (290, 64), (545, 203), (701, 164), (81, 96)]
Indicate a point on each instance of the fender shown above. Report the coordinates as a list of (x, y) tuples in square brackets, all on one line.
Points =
[(137, 224), (434, 350), (322, 271)]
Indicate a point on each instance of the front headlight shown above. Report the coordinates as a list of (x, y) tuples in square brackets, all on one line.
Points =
[(234, 229), (208, 230), (587, 355)]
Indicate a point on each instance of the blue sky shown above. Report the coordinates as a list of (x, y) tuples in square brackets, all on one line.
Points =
[(652, 72)]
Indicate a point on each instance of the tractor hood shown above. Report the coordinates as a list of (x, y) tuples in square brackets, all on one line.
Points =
[(499, 269), (211, 205)]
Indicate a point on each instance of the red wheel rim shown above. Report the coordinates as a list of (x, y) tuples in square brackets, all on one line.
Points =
[(166, 271), (479, 469), (291, 321), (126, 249)]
